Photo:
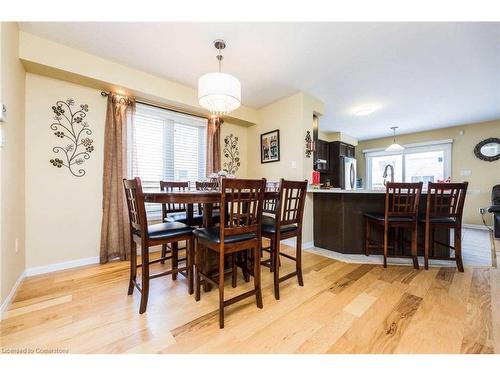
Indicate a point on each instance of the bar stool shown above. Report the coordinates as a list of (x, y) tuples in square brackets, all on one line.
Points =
[(240, 231), (401, 211), (153, 235), (285, 223), (444, 208)]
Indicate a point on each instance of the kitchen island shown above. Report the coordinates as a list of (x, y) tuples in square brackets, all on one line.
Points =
[(339, 223)]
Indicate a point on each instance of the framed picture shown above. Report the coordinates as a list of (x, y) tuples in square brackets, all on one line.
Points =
[(270, 146)]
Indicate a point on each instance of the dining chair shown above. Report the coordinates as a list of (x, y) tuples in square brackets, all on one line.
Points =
[(239, 231), (401, 212), (153, 235), (172, 212), (444, 208), (204, 186), (282, 220)]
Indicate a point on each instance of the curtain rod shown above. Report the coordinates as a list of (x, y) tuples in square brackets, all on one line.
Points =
[(104, 94)]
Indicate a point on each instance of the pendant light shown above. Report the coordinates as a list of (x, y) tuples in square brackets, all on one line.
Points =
[(395, 147), (219, 92)]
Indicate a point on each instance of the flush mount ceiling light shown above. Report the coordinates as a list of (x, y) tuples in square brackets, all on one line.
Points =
[(365, 110), (219, 92), (395, 146)]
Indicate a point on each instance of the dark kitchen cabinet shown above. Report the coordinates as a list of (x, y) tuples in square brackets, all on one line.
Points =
[(323, 152), (334, 171)]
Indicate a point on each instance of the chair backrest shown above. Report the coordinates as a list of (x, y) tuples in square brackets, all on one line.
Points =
[(495, 195), (291, 201), (402, 199), (446, 199), (243, 199), (204, 186), (171, 186), (269, 206), (135, 205)]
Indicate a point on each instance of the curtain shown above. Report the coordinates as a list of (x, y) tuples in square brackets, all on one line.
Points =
[(115, 231), (213, 145)]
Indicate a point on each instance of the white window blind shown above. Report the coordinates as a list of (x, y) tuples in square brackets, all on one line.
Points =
[(165, 145)]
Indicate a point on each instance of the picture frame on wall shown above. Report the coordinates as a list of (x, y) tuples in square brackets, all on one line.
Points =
[(270, 147)]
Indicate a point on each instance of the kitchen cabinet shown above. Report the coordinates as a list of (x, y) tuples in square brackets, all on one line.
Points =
[(323, 152)]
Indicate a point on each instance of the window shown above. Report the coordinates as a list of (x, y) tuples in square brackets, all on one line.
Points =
[(165, 145), (426, 162)]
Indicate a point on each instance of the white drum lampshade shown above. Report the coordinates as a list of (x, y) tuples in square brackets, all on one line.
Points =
[(220, 93)]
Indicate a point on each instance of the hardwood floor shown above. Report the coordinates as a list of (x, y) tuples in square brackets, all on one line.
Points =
[(343, 308)]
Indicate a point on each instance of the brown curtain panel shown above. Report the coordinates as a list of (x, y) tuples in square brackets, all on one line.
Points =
[(213, 145), (115, 232)]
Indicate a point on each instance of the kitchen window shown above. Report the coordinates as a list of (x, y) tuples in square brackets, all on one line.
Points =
[(165, 145), (426, 162)]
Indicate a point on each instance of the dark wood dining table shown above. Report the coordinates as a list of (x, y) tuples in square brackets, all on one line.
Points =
[(191, 197)]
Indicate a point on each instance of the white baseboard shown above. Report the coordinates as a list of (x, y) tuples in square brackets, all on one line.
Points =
[(60, 266), (476, 226), (291, 242), (10, 297)]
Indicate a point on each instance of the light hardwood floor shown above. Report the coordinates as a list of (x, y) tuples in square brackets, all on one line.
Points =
[(343, 308)]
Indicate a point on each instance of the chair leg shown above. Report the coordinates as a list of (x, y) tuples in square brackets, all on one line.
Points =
[(256, 277), (276, 253), (414, 239), (386, 233), (271, 255), (234, 270), (298, 262), (175, 259), (367, 237), (221, 290), (190, 261), (244, 261), (145, 278), (197, 265), (426, 245), (133, 267), (458, 248), (163, 252)]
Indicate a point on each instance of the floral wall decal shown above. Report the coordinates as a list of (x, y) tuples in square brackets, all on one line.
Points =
[(232, 153), (69, 124)]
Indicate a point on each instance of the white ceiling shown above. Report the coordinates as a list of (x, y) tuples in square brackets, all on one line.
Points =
[(420, 75)]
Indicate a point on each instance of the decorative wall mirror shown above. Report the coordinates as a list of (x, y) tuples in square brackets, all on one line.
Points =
[(488, 150)]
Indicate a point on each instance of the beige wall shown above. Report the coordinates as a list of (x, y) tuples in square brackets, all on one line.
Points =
[(484, 174), (242, 133), (63, 212), (293, 116), (12, 79)]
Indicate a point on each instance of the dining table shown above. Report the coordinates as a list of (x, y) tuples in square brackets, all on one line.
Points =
[(206, 198)]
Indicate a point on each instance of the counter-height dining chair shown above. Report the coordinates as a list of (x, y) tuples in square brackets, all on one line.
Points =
[(286, 222), (444, 208), (239, 231), (268, 211), (401, 212), (204, 186), (153, 235), (172, 212)]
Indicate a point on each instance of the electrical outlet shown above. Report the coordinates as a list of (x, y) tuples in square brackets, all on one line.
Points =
[(294, 164), (465, 172), (17, 245)]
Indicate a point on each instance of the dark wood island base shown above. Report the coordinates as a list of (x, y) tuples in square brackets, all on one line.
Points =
[(339, 223)]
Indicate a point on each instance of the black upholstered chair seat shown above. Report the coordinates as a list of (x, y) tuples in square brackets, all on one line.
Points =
[(213, 235), (269, 225), (439, 220), (164, 231), (182, 218), (392, 219)]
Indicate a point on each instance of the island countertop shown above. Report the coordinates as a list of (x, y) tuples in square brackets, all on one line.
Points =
[(341, 191), (339, 221)]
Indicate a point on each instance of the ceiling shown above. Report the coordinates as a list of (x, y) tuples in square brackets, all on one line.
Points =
[(419, 76)]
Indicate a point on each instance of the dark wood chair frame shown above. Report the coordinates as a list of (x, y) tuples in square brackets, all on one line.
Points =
[(288, 209), (444, 201), (139, 233), (168, 208), (243, 199), (401, 200)]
